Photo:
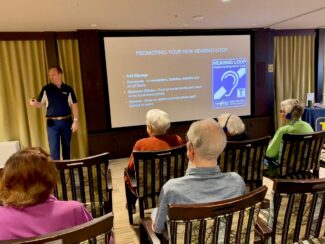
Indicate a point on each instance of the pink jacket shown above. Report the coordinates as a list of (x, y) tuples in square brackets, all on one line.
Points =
[(49, 216)]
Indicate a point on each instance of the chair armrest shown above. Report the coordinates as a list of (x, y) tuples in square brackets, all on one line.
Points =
[(262, 229), (265, 204), (145, 229), (132, 180)]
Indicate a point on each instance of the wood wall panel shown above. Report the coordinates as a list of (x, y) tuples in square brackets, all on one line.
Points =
[(120, 143), (263, 90), (319, 65), (93, 80)]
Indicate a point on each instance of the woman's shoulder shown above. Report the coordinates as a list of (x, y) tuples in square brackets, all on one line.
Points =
[(71, 204), (174, 138)]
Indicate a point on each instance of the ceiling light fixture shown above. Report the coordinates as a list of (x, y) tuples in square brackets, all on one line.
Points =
[(93, 25)]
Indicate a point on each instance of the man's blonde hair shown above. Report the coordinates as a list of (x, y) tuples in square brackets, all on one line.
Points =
[(207, 138), (158, 121)]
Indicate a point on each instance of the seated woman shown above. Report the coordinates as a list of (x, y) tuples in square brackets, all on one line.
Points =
[(233, 126), (28, 208), (157, 122), (291, 111)]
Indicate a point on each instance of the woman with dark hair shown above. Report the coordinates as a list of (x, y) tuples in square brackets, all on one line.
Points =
[(29, 209)]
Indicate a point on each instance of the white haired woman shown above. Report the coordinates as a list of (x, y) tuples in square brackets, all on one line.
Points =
[(157, 122), (291, 111), (233, 126)]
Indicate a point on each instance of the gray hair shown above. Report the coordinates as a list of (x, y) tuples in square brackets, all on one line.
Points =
[(207, 138), (234, 125), (293, 107), (158, 121)]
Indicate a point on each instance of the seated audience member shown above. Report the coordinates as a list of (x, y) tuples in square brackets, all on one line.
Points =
[(291, 111), (203, 181), (233, 126), (28, 208), (157, 122)]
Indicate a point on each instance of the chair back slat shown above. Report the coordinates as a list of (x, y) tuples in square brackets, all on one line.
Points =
[(86, 180), (82, 184), (301, 153), (228, 221), (153, 169), (245, 158), (298, 212)]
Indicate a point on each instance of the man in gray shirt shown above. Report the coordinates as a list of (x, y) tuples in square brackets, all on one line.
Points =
[(203, 181)]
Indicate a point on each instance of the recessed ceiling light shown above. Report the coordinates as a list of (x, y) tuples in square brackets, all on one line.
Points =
[(225, 1), (198, 17), (93, 25)]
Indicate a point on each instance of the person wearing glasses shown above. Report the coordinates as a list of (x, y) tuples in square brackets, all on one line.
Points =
[(291, 111)]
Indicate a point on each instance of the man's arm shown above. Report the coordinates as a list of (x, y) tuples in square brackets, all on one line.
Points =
[(161, 217), (75, 115)]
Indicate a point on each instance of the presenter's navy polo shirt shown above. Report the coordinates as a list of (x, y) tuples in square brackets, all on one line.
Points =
[(57, 100)]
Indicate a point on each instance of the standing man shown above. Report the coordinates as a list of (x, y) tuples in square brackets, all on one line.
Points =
[(60, 101)]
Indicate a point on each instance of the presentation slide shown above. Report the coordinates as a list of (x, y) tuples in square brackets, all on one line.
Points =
[(190, 77)]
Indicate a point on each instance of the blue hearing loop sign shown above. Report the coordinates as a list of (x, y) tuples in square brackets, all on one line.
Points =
[(229, 82)]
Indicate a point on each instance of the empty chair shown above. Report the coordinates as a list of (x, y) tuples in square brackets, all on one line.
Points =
[(296, 211), (247, 159), (99, 228), (299, 156), (152, 170), (228, 221), (87, 180)]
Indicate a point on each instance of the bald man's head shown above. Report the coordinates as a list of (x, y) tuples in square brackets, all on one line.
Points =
[(207, 138)]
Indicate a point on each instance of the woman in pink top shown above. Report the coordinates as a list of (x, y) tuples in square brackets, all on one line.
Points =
[(28, 208)]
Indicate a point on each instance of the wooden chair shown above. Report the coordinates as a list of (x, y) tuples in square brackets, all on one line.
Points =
[(152, 170), (296, 211), (98, 229), (87, 180), (299, 156), (228, 221), (247, 159), (320, 240)]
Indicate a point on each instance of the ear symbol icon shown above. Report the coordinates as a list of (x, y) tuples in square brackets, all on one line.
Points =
[(235, 79)]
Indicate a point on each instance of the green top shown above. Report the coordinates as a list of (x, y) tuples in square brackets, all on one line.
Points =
[(293, 127)]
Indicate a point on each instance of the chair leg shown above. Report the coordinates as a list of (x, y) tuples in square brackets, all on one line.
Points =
[(128, 194), (316, 174), (141, 210), (143, 235)]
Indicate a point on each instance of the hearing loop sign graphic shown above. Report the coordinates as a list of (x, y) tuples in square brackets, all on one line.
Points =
[(229, 82)]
